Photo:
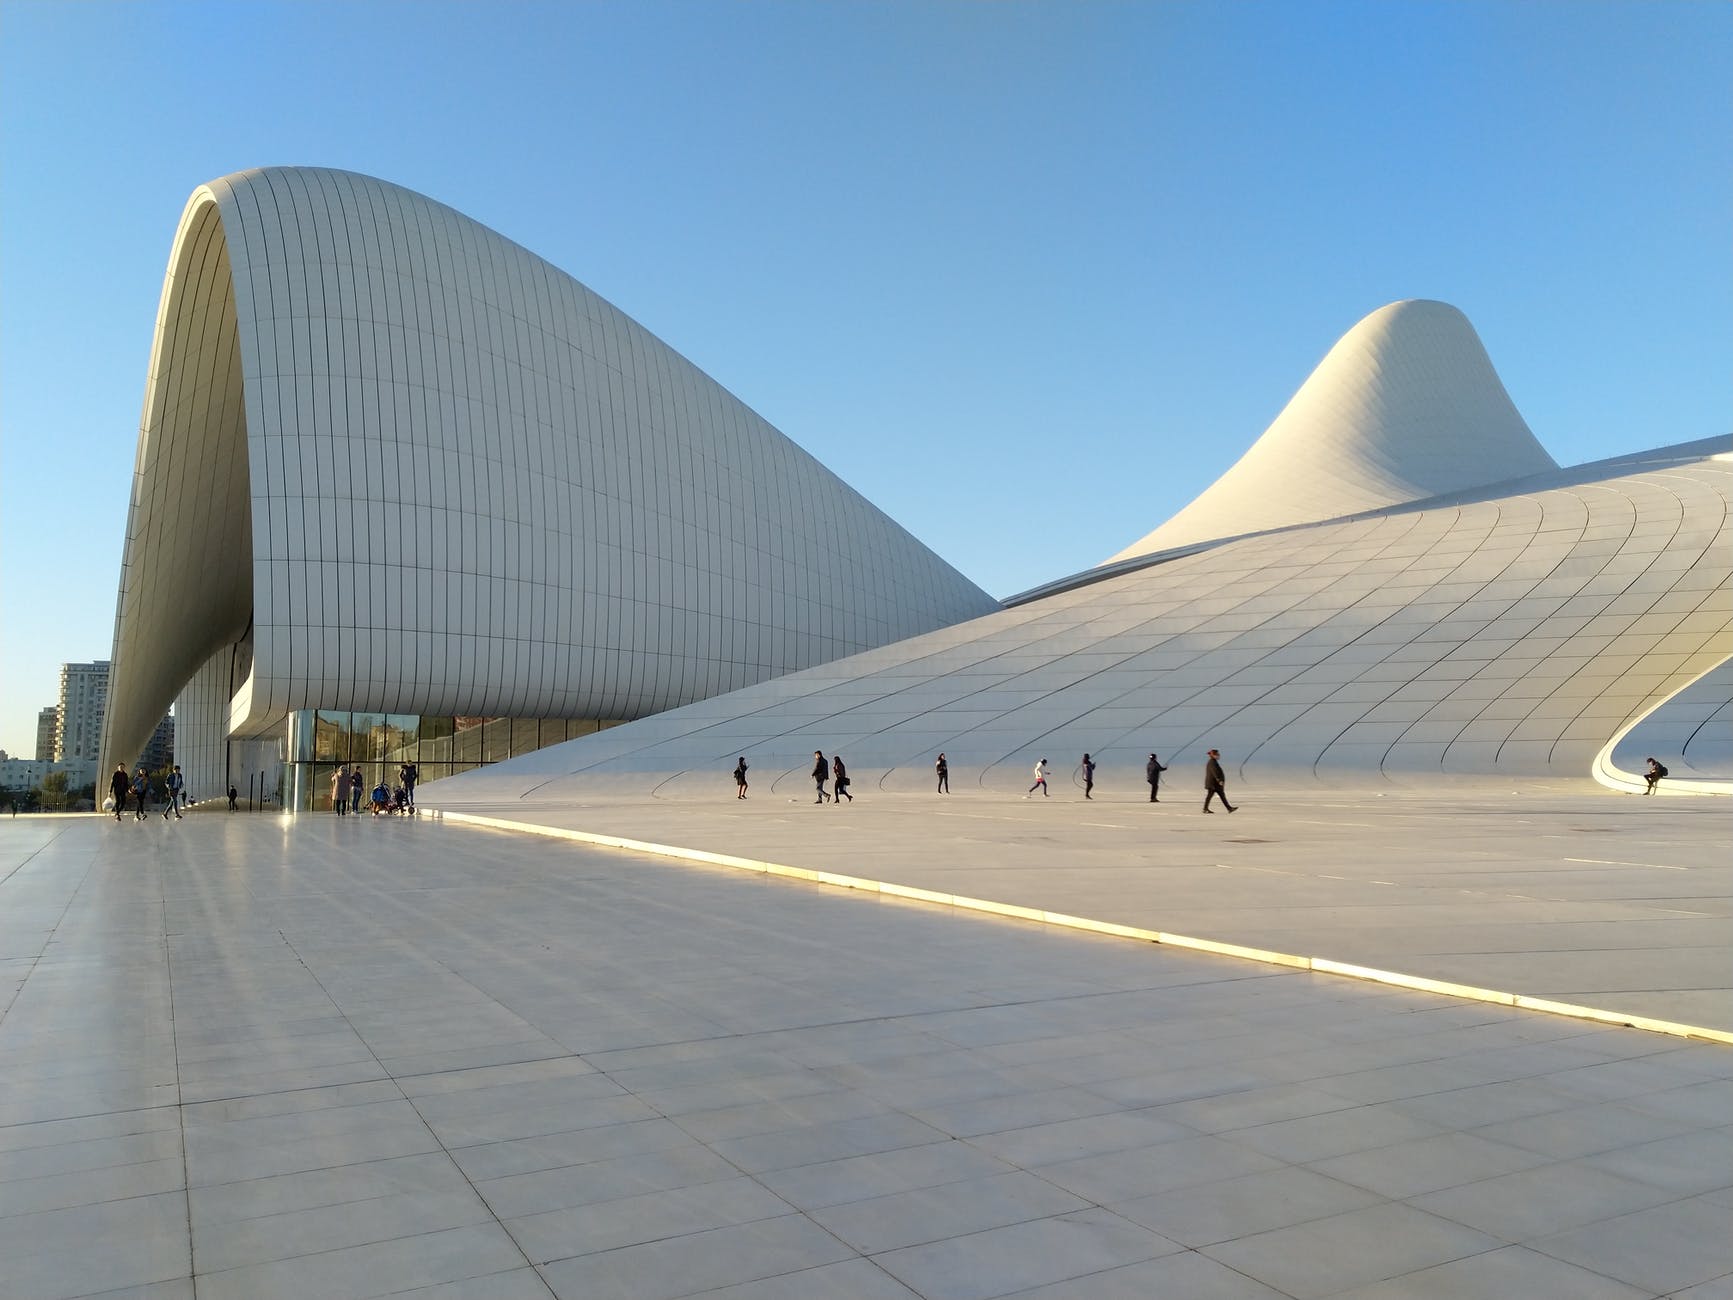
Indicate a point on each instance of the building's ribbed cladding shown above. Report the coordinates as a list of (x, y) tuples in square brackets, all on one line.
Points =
[(1510, 632), (436, 475), (1406, 406)]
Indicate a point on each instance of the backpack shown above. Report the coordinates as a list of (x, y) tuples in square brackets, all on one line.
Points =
[(1660, 769)]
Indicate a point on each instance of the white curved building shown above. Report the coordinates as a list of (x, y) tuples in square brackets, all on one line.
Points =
[(392, 465), (1513, 620), (1406, 406)]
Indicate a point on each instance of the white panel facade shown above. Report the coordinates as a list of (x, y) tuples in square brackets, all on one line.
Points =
[(1406, 406), (407, 466), (1503, 633)]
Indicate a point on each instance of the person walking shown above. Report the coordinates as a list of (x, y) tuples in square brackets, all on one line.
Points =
[(1152, 771), (740, 778), (841, 774), (1040, 779), (118, 785), (1215, 782), (409, 774), (339, 791), (234, 799), (356, 783), (820, 774), (141, 796), (176, 783), (1653, 771), (944, 771), (1088, 776)]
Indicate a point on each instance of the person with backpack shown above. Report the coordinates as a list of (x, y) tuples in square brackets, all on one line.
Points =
[(943, 769), (141, 796), (740, 778), (1652, 774)]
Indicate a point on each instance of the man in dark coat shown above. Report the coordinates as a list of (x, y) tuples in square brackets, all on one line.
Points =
[(1152, 771), (118, 785), (1215, 782), (820, 774)]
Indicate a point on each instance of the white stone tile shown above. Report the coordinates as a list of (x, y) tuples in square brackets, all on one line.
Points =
[(855, 1178), (572, 1147), (686, 1265), (1407, 1169), (1024, 1255), (822, 1142), (629, 1221), (281, 1194), (379, 1268), (852, 1279), (1188, 1274), (1329, 1255), (88, 1186), (1667, 1248), (1208, 1213), (1522, 1206), (561, 1188), (930, 1214), (1499, 1275), (236, 1243)]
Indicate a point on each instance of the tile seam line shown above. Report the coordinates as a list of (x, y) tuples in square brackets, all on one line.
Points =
[(1319, 965)]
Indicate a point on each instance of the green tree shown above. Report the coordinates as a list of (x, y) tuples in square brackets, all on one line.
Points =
[(54, 796)]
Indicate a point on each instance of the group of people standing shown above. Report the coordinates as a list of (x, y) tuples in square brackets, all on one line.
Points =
[(347, 787), (825, 770), (1215, 784), (120, 785)]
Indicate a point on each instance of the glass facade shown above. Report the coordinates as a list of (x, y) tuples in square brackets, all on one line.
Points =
[(321, 741)]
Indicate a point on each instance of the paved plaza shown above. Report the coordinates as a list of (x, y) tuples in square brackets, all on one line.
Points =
[(255, 1056), (1551, 890)]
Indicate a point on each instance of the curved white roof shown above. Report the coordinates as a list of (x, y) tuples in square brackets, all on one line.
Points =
[(1511, 632), (391, 461), (1406, 406)]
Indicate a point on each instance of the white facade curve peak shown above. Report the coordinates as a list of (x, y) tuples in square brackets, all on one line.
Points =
[(1406, 406), (392, 462)]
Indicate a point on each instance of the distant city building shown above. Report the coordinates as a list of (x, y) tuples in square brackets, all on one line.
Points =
[(69, 734), (160, 752), (21, 774), (83, 703), (47, 730)]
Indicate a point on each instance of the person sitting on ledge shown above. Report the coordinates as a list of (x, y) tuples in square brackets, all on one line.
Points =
[(1652, 774)]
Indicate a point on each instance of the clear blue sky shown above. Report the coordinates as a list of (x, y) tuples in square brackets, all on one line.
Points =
[(1027, 275)]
